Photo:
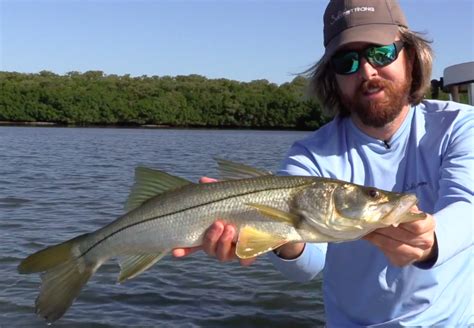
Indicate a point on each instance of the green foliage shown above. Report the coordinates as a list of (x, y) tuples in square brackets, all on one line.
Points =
[(94, 98)]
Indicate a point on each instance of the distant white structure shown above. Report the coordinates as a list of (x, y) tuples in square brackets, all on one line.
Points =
[(459, 78)]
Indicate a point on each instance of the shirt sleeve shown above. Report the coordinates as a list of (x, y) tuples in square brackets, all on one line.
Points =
[(303, 268), (311, 260), (454, 211), (299, 161)]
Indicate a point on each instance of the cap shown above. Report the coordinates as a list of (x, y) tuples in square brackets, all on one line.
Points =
[(373, 21)]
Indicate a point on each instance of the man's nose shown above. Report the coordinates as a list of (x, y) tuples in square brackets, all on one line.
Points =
[(366, 70)]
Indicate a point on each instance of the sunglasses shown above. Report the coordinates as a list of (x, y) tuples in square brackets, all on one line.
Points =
[(348, 62)]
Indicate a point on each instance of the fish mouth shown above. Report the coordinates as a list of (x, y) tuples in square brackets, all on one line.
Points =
[(404, 204)]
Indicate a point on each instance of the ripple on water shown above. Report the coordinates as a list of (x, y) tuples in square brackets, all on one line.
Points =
[(58, 183)]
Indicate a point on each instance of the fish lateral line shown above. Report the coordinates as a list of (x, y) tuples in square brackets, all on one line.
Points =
[(178, 212)]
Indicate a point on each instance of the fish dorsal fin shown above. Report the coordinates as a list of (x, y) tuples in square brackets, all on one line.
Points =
[(276, 214), (132, 266), (253, 242), (149, 183), (232, 171)]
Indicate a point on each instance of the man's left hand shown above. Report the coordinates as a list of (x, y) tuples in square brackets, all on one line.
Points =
[(408, 243)]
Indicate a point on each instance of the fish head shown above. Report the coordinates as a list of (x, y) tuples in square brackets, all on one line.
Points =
[(369, 205), (346, 211)]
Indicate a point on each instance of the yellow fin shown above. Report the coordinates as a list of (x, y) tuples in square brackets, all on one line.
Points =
[(253, 242), (149, 183), (233, 171), (276, 214), (132, 266)]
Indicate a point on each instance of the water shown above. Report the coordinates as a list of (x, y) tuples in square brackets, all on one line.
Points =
[(56, 183)]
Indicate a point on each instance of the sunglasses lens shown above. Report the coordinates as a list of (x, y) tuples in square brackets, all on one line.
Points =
[(382, 56), (346, 63)]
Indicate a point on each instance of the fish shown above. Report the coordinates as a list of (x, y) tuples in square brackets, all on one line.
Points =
[(164, 212)]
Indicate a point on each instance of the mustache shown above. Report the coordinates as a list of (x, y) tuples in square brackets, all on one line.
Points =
[(374, 84)]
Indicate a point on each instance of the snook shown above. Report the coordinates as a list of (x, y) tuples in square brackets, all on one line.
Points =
[(165, 212)]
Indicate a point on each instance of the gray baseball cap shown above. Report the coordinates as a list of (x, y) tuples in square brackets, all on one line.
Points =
[(372, 21)]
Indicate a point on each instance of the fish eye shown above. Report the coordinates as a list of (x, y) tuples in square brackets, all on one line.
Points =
[(373, 193)]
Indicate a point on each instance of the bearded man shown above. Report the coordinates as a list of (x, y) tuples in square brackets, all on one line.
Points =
[(373, 76)]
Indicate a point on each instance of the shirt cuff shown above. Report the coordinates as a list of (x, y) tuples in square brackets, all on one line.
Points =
[(303, 268)]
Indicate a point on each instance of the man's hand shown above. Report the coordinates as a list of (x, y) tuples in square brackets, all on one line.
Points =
[(219, 240), (409, 242)]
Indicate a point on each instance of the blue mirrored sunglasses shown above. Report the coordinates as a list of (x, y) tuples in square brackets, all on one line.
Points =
[(348, 61)]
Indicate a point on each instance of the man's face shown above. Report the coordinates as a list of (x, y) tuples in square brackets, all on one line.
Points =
[(376, 95)]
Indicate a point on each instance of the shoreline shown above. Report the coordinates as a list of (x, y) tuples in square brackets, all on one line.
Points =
[(138, 126), (11, 123)]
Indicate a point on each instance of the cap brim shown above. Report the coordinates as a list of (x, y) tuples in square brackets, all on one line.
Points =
[(373, 33)]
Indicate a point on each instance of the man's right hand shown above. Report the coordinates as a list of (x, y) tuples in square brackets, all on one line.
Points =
[(220, 239), (219, 242)]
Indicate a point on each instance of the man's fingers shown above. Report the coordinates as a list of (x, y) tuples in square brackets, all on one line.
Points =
[(207, 180), (393, 233), (211, 238), (225, 249), (180, 252), (247, 262), (218, 242), (399, 253), (419, 227)]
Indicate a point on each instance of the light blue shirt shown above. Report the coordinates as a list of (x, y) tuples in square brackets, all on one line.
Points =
[(432, 156)]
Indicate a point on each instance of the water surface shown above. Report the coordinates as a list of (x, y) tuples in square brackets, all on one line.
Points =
[(56, 183)]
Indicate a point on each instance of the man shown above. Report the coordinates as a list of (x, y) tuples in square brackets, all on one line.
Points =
[(373, 75)]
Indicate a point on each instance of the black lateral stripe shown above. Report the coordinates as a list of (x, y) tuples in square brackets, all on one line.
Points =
[(180, 211)]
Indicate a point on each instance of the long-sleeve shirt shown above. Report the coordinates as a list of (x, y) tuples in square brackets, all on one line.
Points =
[(430, 155)]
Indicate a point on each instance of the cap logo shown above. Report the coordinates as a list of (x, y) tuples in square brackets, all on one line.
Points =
[(341, 14)]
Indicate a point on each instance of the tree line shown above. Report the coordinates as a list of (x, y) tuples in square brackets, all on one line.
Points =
[(94, 98)]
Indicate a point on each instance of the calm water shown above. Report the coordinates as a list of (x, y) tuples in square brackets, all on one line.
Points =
[(56, 183)]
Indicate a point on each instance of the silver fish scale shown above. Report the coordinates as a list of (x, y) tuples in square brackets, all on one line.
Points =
[(179, 218)]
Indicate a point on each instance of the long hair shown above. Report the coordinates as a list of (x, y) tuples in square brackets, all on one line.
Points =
[(323, 85)]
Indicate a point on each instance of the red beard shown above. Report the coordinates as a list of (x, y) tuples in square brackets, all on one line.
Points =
[(380, 112)]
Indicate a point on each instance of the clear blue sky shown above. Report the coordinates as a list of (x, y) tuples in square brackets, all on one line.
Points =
[(241, 39)]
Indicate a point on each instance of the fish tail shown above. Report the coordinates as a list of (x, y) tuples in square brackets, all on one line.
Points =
[(65, 274)]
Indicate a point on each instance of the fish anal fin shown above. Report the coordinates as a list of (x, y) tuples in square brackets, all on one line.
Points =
[(149, 183), (253, 242), (276, 214), (131, 266)]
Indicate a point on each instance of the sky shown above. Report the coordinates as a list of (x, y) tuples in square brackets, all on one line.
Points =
[(240, 40)]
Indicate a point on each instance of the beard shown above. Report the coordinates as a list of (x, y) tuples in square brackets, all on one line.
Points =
[(378, 113)]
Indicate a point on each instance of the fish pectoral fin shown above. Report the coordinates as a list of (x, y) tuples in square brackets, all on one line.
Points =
[(253, 242), (131, 266), (149, 183), (276, 214), (229, 170)]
